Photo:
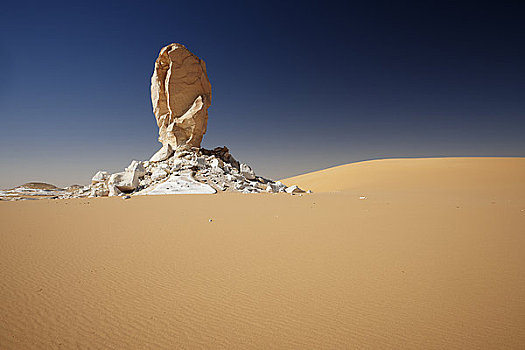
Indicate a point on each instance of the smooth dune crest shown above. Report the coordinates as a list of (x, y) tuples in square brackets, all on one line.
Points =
[(417, 173)]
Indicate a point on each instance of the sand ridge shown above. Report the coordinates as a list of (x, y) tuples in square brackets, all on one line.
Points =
[(477, 175)]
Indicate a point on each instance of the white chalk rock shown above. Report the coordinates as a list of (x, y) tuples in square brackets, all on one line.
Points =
[(247, 172), (281, 186), (113, 190), (163, 153), (179, 184), (101, 176), (145, 182), (99, 190), (176, 165), (294, 189), (216, 163), (158, 174), (128, 180), (124, 181), (275, 187), (136, 168)]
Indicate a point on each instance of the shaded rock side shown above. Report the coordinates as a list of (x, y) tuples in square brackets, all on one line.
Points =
[(180, 95)]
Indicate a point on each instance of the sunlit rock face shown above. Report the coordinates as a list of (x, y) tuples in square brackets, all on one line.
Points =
[(180, 95)]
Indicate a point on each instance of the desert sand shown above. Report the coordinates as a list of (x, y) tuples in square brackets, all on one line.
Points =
[(388, 254)]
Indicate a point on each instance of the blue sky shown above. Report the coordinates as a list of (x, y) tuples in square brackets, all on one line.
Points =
[(297, 86)]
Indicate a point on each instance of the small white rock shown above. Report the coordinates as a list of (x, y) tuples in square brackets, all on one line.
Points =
[(113, 190), (101, 176), (216, 163), (247, 172), (294, 189)]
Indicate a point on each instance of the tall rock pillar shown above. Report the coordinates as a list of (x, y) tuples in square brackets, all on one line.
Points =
[(180, 95)]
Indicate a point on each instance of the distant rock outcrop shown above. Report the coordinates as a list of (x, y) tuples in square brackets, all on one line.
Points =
[(33, 190)]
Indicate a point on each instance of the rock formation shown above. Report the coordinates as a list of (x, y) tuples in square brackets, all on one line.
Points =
[(193, 171), (33, 190), (180, 95)]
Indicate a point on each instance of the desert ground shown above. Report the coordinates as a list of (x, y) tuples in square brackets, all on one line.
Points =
[(386, 254)]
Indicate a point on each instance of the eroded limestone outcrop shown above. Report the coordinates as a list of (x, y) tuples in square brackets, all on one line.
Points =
[(180, 95)]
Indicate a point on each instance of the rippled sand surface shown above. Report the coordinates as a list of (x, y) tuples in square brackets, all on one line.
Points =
[(430, 257)]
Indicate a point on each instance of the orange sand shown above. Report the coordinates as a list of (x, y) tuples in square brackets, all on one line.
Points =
[(433, 258)]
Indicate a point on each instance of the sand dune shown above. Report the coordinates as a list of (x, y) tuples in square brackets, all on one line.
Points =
[(479, 175), (431, 259)]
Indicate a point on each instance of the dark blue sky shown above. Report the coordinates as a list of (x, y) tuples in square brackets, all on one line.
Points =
[(297, 86)]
